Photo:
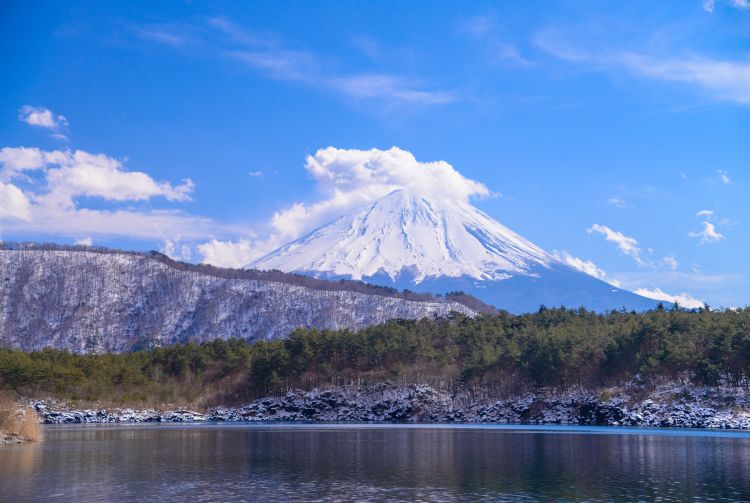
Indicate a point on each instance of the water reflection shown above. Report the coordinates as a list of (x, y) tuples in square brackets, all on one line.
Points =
[(249, 463)]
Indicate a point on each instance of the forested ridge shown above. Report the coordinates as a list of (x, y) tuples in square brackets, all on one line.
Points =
[(552, 348)]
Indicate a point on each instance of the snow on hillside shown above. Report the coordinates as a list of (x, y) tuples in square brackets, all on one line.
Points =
[(92, 301)]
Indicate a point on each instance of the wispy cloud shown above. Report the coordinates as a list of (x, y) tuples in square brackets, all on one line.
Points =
[(709, 234), (163, 35), (710, 5), (711, 220), (671, 262), (723, 175), (627, 245), (389, 87), (41, 117), (269, 56), (726, 80), (683, 299), (587, 266), (617, 202), (484, 29), (723, 79), (479, 26), (46, 119)]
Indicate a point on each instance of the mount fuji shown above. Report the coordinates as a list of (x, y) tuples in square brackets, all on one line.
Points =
[(437, 245)]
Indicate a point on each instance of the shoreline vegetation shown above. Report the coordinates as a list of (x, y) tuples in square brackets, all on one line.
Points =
[(570, 366), (18, 423)]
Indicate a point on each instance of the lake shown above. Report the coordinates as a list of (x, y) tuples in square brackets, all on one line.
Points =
[(257, 462)]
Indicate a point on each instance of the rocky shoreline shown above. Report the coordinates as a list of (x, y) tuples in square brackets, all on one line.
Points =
[(666, 405)]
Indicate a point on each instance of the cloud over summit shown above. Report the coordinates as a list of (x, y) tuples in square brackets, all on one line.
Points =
[(347, 180)]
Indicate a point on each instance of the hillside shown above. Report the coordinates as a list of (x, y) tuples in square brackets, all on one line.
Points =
[(97, 300)]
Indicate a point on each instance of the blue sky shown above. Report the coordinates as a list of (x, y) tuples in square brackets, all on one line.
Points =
[(615, 133)]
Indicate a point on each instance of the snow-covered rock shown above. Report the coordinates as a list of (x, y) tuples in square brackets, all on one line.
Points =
[(666, 406)]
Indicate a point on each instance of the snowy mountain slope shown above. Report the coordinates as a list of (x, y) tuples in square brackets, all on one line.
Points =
[(103, 300), (408, 241)]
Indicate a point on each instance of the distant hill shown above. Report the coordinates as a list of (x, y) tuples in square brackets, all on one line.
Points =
[(86, 299)]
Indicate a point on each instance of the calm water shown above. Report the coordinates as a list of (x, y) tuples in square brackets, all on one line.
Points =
[(375, 462)]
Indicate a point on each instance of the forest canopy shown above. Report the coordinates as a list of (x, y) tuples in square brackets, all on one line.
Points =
[(552, 348)]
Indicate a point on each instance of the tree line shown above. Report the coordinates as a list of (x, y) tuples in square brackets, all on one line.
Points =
[(489, 354)]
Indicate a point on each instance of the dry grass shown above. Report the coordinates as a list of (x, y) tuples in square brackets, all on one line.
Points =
[(8, 410), (28, 425), (24, 422)]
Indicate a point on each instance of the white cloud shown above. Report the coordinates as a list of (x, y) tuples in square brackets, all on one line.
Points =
[(13, 203), (56, 181), (708, 6), (85, 241), (617, 202), (709, 234), (16, 160), (256, 174), (348, 180), (683, 299), (711, 216), (626, 244), (723, 175), (174, 250), (670, 262), (97, 175), (71, 174), (741, 4), (587, 266), (228, 253), (42, 117)]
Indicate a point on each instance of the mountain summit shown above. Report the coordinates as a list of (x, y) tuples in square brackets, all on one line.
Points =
[(409, 241)]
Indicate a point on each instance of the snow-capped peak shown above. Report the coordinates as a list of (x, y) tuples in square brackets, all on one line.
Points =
[(405, 234)]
